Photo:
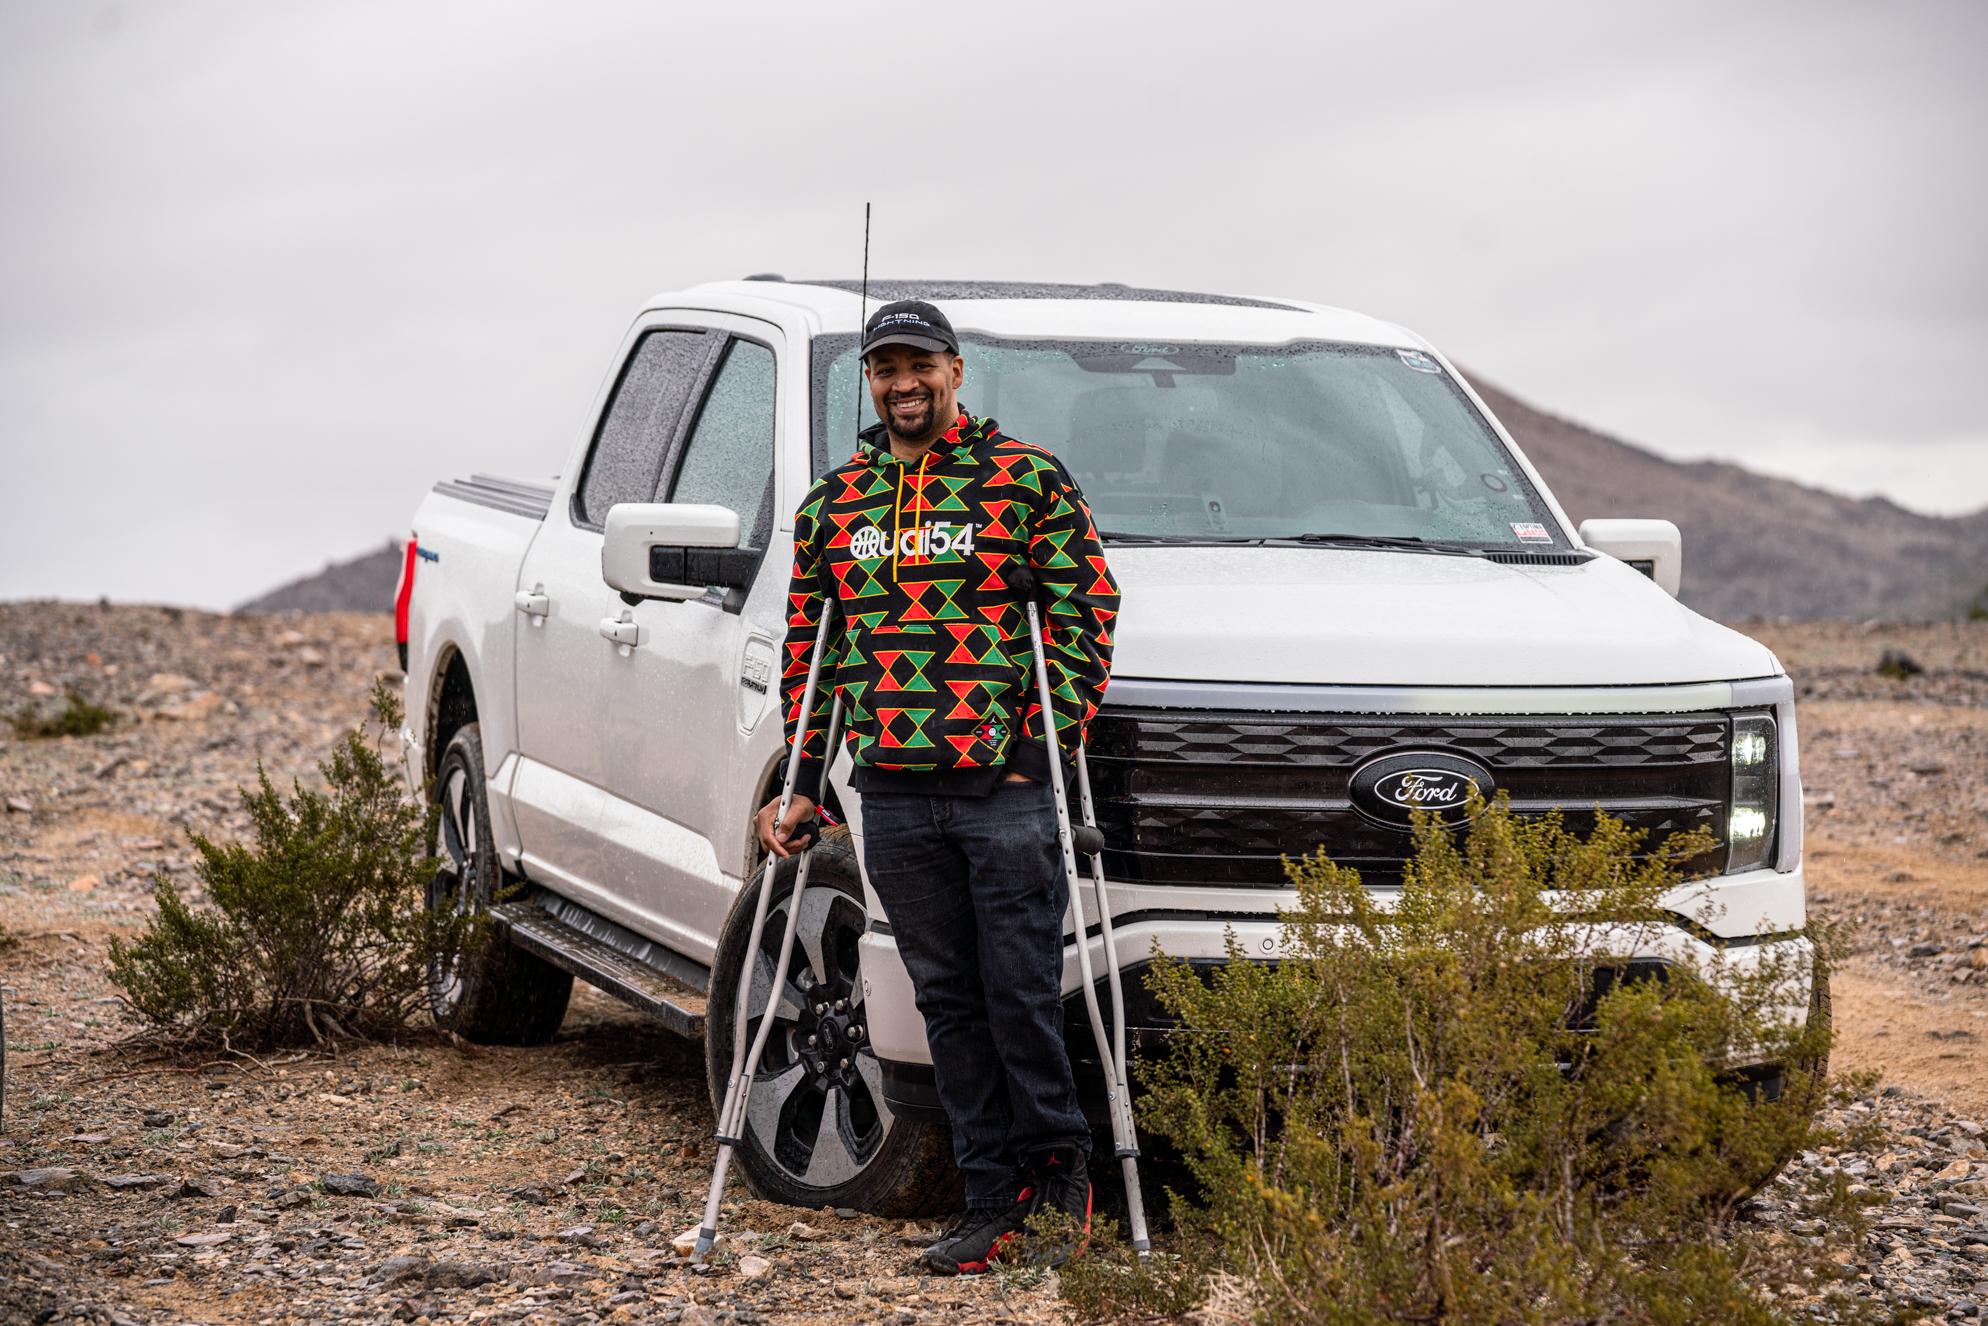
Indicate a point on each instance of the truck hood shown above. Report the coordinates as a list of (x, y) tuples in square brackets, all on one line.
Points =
[(1346, 616)]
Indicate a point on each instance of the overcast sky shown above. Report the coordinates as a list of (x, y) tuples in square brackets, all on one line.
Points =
[(267, 270)]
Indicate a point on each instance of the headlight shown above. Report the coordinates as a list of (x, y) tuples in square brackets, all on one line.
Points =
[(1750, 815)]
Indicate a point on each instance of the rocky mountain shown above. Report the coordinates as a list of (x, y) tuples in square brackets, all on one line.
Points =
[(361, 584), (1754, 546)]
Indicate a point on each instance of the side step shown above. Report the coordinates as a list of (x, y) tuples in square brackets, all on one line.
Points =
[(531, 924)]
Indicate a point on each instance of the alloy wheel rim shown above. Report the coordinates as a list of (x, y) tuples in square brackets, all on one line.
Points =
[(817, 1105)]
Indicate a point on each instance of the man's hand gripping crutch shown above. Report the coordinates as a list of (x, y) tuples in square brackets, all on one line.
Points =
[(1087, 840), (745, 1062)]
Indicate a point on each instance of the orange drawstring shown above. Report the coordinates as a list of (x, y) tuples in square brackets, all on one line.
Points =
[(897, 513), (897, 525)]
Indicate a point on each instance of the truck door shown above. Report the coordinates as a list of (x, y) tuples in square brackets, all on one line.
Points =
[(563, 660), (680, 705)]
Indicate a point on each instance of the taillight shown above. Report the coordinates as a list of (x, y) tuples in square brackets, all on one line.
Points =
[(402, 594)]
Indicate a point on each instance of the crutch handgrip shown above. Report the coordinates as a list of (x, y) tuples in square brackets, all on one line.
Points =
[(803, 835), (1088, 838)]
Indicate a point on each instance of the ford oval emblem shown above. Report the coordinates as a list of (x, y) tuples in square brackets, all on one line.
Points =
[(1390, 788)]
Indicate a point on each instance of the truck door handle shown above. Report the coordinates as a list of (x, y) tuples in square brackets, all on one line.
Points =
[(625, 632), (533, 603)]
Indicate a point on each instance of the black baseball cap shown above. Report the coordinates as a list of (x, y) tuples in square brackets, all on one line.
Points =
[(910, 322)]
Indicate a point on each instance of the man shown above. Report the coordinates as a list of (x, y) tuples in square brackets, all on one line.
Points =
[(935, 667)]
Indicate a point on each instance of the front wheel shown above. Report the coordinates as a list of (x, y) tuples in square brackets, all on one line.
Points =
[(818, 1131)]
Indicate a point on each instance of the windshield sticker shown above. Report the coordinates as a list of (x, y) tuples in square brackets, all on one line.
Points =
[(1531, 532), (1418, 361)]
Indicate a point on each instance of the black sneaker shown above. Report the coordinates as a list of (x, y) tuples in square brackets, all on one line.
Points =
[(1059, 1180), (975, 1239)]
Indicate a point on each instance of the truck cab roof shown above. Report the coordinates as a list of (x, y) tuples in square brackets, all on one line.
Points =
[(1045, 309)]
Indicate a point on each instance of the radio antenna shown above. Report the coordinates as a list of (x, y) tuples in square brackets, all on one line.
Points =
[(865, 298)]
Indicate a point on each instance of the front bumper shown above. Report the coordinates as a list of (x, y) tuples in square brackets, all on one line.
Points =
[(1737, 924)]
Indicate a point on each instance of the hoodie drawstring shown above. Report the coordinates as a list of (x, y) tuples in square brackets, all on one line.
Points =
[(897, 513)]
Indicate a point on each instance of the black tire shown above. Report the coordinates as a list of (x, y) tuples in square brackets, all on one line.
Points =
[(819, 1134), (493, 993)]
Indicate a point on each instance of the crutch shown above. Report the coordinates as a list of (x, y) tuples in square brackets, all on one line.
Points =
[(1089, 840), (732, 1116)]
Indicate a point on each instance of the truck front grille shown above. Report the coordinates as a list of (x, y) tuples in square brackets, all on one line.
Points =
[(1218, 797)]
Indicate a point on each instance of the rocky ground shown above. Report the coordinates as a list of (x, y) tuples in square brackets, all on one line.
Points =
[(430, 1180)]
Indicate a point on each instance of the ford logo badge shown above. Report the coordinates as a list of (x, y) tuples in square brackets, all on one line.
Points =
[(1390, 788)]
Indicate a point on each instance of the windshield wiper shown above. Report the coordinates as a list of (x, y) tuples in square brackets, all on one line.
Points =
[(1404, 542), (1185, 540)]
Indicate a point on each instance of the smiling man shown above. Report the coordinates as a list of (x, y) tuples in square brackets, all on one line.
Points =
[(959, 830)]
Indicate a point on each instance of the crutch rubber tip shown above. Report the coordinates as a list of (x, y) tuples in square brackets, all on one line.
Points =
[(1142, 1245), (705, 1238), (1088, 838)]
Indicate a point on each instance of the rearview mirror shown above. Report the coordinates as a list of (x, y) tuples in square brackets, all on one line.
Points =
[(674, 550), (1653, 547)]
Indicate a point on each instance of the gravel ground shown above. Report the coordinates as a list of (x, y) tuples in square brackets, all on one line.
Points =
[(430, 1180)]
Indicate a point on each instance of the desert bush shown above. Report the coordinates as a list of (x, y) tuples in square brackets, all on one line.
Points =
[(80, 717), (318, 928), (1457, 1108), (1108, 1279)]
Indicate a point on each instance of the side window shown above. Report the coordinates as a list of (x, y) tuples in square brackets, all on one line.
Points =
[(641, 418), (728, 458)]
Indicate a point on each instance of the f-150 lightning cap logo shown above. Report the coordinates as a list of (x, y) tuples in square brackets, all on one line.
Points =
[(910, 322)]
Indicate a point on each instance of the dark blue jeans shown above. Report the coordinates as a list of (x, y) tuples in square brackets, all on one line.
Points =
[(975, 894)]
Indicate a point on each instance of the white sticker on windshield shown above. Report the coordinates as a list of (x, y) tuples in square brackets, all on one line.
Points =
[(1418, 361), (1531, 532)]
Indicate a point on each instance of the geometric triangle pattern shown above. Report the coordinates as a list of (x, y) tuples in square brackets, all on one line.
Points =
[(932, 654)]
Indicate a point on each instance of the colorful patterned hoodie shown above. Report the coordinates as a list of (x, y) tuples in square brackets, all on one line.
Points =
[(932, 657)]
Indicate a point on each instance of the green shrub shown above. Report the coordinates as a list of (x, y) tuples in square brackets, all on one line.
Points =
[(79, 718), (318, 929), (1452, 1108)]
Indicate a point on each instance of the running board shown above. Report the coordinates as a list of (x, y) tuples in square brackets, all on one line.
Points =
[(532, 925)]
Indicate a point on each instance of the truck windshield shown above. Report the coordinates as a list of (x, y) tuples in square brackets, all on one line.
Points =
[(1218, 442)]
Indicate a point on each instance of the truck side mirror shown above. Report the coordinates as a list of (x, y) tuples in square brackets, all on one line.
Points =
[(1653, 547), (673, 550)]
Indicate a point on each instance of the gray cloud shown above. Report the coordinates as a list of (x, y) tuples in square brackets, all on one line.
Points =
[(271, 269)]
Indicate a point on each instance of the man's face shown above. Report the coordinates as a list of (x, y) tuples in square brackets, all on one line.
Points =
[(916, 392)]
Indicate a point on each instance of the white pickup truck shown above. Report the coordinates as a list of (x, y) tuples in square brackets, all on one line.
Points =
[(1345, 592)]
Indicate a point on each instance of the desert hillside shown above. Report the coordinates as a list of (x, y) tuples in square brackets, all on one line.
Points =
[(1759, 547)]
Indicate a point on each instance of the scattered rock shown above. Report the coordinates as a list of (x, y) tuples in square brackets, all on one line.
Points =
[(195, 1188), (85, 883), (403, 1269), (158, 1118), (754, 1267), (212, 1239), (803, 1231), (133, 1182), (20, 806), (348, 1185), (51, 1179), (685, 1244), (167, 683)]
